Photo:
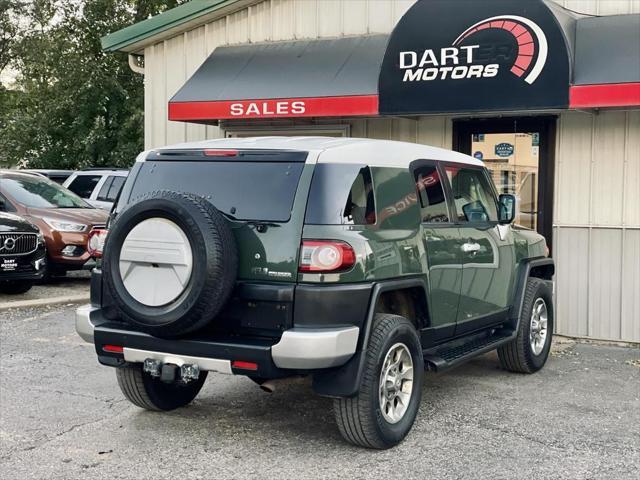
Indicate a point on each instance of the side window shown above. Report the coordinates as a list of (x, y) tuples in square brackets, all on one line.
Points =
[(111, 188), (102, 195), (431, 194), (472, 194), (115, 188), (341, 194), (83, 185)]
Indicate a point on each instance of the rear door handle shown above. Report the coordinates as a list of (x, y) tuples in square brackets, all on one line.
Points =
[(470, 247)]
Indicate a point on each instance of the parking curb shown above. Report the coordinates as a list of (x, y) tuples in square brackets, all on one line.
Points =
[(40, 302)]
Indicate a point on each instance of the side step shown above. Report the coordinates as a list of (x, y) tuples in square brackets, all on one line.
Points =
[(455, 352)]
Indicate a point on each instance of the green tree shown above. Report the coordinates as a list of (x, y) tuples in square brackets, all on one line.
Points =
[(74, 105)]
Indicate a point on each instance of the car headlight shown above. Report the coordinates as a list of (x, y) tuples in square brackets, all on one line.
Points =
[(40, 238), (64, 225)]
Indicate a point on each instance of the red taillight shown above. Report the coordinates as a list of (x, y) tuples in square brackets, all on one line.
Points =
[(244, 365), (221, 153), (326, 256), (95, 243), (113, 349)]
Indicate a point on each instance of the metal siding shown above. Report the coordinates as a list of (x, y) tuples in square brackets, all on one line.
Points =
[(573, 163), (571, 251), (632, 171), (197, 48), (630, 308), (607, 168), (260, 24), (283, 17), (176, 76), (329, 18), (380, 16), (306, 18), (354, 13)]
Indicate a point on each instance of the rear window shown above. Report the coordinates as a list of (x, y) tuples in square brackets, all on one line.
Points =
[(341, 194), (244, 190)]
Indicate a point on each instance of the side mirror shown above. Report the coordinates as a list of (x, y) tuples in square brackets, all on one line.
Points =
[(507, 205)]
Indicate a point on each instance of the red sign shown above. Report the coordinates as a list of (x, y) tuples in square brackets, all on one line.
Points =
[(355, 105)]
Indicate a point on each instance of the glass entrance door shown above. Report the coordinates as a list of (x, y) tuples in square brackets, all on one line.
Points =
[(513, 160), (519, 153)]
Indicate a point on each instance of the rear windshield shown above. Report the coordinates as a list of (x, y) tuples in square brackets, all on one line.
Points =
[(243, 190)]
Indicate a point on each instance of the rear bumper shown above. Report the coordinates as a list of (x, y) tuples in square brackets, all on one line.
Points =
[(298, 349)]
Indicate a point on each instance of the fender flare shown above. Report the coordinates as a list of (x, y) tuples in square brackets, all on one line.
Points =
[(524, 272), (344, 381)]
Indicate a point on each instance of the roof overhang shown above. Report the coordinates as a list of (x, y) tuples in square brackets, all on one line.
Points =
[(310, 78)]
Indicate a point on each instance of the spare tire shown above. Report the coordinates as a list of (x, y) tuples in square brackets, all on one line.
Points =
[(170, 263)]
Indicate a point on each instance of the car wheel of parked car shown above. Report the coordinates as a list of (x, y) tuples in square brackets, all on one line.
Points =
[(383, 411), (170, 263), (15, 287), (150, 393), (529, 351)]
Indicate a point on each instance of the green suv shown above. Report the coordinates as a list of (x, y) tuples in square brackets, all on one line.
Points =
[(361, 263)]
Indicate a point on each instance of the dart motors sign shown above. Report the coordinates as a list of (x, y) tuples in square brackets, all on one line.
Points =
[(462, 56)]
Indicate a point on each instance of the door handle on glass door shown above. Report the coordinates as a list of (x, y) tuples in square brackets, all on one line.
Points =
[(470, 247)]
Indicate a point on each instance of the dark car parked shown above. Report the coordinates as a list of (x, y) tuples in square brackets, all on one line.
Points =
[(23, 256)]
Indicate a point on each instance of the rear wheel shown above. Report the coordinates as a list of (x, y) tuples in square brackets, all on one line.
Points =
[(529, 351), (383, 411), (150, 393), (15, 287)]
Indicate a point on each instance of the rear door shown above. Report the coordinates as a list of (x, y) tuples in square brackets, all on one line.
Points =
[(444, 260), (486, 248), (262, 194), (109, 191)]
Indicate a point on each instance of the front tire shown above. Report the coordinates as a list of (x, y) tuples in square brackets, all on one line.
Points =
[(150, 393), (383, 411), (529, 351)]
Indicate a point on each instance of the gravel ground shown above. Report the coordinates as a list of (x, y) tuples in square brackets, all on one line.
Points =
[(75, 283), (63, 417)]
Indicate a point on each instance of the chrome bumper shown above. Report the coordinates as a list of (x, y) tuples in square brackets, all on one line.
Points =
[(302, 348), (299, 348), (84, 327)]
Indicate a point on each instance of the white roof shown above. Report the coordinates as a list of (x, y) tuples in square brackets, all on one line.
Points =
[(383, 153)]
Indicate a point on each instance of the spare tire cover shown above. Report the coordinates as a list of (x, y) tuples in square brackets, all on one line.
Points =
[(170, 263)]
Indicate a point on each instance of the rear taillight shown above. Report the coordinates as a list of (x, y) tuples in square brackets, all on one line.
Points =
[(326, 256), (220, 153), (95, 243)]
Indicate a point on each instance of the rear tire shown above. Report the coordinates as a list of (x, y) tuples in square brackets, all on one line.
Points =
[(15, 287), (150, 393), (360, 418), (520, 355)]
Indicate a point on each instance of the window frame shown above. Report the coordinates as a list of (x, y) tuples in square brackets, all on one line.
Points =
[(415, 165), (96, 187), (449, 188), (106, 184)]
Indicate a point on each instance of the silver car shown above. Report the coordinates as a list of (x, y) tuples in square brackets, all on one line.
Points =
[(99, 187)]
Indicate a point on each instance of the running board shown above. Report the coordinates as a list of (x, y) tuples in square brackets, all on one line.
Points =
[(457, 351)]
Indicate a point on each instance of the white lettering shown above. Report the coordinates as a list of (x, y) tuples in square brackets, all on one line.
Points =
[(298, 107), (413, 61), (475, 71), (449, 53), (236, 109), (430, 73), (428, 58), (491, 70), (459, 72), (412, 75), (469, 50), (252, 109)]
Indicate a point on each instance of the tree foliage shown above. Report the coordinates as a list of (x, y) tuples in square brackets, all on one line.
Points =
[(72, 104)]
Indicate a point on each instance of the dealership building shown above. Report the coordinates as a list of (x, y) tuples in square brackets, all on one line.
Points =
[(546, 93)]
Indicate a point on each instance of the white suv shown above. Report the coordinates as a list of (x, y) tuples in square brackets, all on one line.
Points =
[(99, 187)]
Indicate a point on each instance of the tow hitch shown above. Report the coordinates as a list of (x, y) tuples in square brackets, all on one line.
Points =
[(169, 372)]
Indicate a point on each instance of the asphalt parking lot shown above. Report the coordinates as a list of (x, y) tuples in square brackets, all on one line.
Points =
[(63, 417)]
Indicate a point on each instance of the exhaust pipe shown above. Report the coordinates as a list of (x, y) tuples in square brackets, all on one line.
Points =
[(270, 386)]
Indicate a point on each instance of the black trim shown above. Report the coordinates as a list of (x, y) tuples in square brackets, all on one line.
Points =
[(344, 381), (279, 156), (521, 284), (331, 305)]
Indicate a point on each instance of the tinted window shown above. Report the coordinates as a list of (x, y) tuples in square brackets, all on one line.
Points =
[(111, 188), (38, 192), (473, 197), (83, 185), (432, 200), (242, 189), (341, 194)]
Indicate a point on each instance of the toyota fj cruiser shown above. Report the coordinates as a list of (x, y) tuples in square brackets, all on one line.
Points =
[(358, 262)]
